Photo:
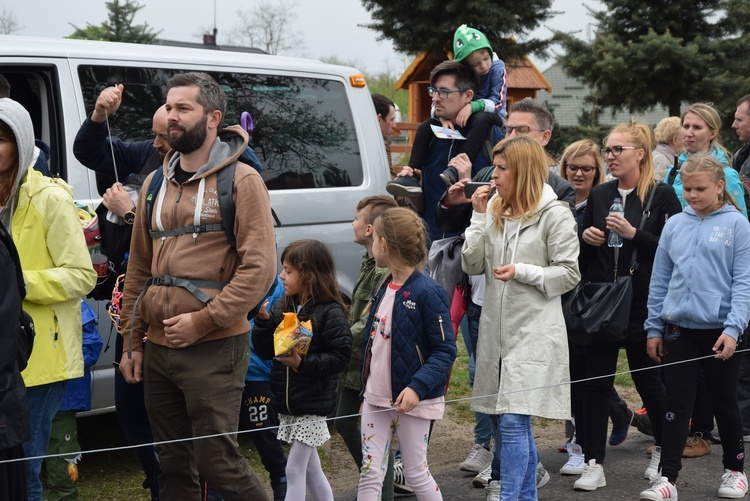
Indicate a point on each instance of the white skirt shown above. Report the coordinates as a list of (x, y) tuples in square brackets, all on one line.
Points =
[(308, 429)]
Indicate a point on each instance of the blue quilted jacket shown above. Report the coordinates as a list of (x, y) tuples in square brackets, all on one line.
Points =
[(423, 346)]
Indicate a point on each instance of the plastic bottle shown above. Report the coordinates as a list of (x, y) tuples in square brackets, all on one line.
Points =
[(615, 240)]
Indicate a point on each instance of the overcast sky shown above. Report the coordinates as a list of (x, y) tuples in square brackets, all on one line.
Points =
[(326, 27)]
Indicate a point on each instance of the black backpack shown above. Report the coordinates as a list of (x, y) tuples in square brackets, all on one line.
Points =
[(26, 331)]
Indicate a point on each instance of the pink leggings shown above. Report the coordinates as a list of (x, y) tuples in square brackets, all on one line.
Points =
[(378, 426)]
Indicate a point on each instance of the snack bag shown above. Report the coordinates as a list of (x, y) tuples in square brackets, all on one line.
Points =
[(291, 334)]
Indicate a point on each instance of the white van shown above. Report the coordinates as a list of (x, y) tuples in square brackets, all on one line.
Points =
[(314, 123)]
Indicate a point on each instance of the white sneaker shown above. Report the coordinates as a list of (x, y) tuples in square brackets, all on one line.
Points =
[(576, 461), (492, 491), (483, 477), (733, 484), (652, 472), (660, 489), (542, 476), (477, 460), (592, 477)]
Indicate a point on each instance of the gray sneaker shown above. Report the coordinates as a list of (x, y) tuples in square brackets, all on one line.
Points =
[(492, 491), (477, 460), (542, 476)]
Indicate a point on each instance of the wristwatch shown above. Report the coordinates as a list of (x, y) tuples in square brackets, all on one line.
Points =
[(129, 216)]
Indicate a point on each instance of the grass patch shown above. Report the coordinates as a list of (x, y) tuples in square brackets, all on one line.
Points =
[(622, 366), (459, 386)]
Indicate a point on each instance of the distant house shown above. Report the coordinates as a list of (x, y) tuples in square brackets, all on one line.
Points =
[(566, 99)]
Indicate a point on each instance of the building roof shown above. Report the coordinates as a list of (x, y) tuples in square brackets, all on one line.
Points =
[(525, 75), (567, 99)]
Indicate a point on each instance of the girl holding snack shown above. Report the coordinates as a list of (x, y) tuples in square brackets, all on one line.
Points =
[(409, 353), (304, 386)]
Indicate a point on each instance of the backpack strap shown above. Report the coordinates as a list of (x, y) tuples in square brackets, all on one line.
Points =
[(673, 172), (225, 189)]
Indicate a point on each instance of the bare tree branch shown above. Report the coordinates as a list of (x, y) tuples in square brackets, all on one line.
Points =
[(268, 26), (8, 22)]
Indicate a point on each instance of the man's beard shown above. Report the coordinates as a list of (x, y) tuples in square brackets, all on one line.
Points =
[(190, 139)]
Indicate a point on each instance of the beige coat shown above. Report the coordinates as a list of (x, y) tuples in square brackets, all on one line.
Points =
[(522, 323)]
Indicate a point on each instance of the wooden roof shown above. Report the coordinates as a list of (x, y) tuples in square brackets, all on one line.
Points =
[(521, 74)]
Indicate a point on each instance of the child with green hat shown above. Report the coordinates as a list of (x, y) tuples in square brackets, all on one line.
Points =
[(470, 47)]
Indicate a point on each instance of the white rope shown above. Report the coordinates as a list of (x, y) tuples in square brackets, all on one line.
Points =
[(111, 148), (389, 409)]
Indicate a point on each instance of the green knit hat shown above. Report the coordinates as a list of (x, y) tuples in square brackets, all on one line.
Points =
[(466, 40)]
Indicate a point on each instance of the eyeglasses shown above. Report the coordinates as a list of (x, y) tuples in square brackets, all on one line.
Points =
[(617, 150), (585, 169), (443, 93), (521, 130)]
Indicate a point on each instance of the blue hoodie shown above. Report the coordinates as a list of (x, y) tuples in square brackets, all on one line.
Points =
[(701, 274), (734, 185)]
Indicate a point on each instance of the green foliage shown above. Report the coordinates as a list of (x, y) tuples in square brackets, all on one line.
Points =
[(119, 27), (384, 83), (662, 52), (588, 127), (428, 25)]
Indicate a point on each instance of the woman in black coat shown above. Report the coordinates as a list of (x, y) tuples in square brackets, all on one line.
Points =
[(628, 157), (14, 408)]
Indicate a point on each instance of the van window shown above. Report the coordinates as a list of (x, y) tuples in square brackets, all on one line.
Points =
[(34, 88), (303, 129)]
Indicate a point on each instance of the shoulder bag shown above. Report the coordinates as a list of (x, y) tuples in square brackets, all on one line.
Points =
[(599, 312)]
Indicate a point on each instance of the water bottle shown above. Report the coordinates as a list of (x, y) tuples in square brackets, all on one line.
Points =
[(615, 240)]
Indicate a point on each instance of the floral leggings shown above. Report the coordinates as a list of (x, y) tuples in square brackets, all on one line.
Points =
[(378, 425)]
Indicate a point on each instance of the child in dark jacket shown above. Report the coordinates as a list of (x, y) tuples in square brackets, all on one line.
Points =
[(411, 348), (305, 387)]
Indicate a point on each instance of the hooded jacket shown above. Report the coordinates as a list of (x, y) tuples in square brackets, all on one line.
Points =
[(523, 341), (248, 272), (55, 260), (701, 276)]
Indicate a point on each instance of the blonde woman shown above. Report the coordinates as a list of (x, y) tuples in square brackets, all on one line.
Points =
[(628, 156), (700, 134), (524, 241), (668, 136)]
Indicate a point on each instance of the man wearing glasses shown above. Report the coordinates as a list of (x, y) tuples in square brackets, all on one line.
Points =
[(452, 87)]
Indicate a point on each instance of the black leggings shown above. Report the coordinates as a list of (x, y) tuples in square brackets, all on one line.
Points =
[(681, 382), (601, 360)]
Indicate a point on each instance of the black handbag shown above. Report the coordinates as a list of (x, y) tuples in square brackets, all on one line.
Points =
[(599, 312)]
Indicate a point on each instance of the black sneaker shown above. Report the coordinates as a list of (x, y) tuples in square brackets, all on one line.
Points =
[(279, 489), (449, 176), (405, 186), (642, 423)]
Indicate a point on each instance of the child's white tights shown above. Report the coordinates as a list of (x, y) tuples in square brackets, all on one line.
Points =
[(303, 470)]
